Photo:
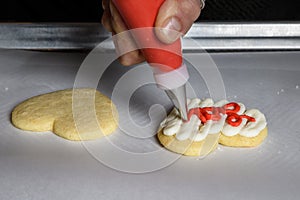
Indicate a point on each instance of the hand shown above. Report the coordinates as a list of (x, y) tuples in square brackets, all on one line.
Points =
[(177, 15)]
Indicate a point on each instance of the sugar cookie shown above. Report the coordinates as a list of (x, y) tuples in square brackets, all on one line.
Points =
[(53, 112), (241, 141), (236, 126), (189, 147), (191, 138), (248, 133)]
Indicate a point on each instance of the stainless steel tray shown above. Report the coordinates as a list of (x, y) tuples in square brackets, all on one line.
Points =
[(211, 36), (43, 166)]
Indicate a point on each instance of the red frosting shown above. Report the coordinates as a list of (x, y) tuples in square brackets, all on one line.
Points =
[(214, 113)]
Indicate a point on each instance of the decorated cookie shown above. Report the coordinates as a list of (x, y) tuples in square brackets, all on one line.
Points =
[(191, 138), (54, 112), (243, 128), (229, 124)]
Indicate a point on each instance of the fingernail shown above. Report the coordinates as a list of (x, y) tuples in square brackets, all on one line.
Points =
[(172, 30)]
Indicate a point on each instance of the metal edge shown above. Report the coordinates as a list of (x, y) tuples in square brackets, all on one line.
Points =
[(245, 30), (210, 36)]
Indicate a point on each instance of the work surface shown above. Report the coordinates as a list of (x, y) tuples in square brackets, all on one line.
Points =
[(44, 166)]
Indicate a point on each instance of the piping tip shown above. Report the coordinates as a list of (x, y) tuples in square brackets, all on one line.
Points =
[(178, 97)]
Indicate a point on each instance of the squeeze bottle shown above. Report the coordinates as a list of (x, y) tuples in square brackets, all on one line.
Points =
[(170, 73)]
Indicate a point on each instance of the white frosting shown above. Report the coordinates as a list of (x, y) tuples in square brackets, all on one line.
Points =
[(188, 129), (217, 126), (195, 130), (193, 103), (229, 130), (203, 131), (172, 123), (206, 103), (221, 103), (242, 109), (253, 128)]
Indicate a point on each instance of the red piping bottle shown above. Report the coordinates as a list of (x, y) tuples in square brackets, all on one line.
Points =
[(170, 72)]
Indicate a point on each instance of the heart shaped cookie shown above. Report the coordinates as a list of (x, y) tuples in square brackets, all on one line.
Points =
[(79, 114), (223, 122)]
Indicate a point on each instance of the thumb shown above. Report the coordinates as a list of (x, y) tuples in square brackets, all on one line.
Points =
[(175, 18)]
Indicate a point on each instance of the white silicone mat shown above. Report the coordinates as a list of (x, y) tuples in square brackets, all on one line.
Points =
[(44, 166)]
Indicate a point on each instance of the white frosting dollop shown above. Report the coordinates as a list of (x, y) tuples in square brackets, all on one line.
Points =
[(217, 126), (196, 130), (229, 130), (251, 129)]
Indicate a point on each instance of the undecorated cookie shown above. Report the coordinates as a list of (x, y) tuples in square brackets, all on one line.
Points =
[(94, 113)]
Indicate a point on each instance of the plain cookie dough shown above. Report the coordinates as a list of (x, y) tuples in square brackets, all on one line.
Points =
[(53, 112)]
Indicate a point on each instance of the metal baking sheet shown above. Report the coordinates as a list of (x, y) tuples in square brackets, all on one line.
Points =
[(43, 166), (211, 35)]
